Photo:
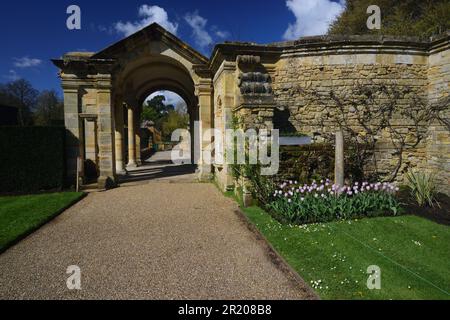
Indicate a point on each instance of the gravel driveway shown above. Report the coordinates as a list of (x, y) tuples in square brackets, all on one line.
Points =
[(154, 240)]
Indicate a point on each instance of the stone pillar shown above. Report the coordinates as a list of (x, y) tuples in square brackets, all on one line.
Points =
[(106, 146), (74, 132), (339, 159), (229, 87), (120, 166), (204, 94), (137, 137), (131, 140)]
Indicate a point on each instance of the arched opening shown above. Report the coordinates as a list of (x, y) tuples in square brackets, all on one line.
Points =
[(104, 93), (155, 95)]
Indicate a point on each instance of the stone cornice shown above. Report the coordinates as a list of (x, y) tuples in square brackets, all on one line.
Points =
[(84, 66), (323, 45)]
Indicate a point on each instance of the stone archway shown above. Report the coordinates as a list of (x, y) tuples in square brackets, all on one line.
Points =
[(139, 78), (99, 85)]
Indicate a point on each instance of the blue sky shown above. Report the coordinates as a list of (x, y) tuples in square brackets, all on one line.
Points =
[(33, 32)]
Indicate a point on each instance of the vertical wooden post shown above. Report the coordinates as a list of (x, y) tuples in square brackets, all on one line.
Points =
[(339, 159)]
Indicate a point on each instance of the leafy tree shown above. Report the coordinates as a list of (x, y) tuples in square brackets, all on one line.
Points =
[(156, 110), (49, 108), (20, 93), (421, 18), (174, 120)]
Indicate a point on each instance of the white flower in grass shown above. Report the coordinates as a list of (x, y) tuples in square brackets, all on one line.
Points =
[(417, 243), (302, 199), (289, 200)]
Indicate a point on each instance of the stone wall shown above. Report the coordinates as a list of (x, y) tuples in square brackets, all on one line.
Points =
[(342, 74), (426, 75), (438, 142), (324, 65)]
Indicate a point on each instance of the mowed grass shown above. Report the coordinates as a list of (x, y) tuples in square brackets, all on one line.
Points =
[(20, 215), (412, 253)]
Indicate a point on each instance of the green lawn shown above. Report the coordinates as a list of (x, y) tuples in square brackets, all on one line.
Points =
[(413, 254), (20, 215)]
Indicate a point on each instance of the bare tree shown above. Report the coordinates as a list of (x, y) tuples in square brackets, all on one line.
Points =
[(49, 108), (25, 96)]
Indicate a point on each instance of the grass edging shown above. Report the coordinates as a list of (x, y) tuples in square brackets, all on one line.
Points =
[(41, 224), (277, 259)]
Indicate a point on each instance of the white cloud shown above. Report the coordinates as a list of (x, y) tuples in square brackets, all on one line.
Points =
[(12, 75), (201, 37), (222, 34), (26, 62), (148, 15), (313, 17)]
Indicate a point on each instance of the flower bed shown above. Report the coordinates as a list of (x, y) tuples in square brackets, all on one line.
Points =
[(324, 201)]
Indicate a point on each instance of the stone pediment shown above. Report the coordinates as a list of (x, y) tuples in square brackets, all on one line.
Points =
[(154, 38)]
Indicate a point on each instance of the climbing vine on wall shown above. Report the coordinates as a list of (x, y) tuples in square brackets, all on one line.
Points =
[(370, 112)]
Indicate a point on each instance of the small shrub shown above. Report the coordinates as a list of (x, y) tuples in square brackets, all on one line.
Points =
[(262, 187), (422, 187), (325, 202)]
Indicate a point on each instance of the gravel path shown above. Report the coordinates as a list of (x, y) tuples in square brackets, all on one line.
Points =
[(158, 240)]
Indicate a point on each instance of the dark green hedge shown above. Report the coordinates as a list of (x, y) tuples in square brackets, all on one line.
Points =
[(307, 162), (31, 159), (316, 161)]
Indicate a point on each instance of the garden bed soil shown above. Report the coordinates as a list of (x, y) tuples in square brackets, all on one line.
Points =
[(439, 213)]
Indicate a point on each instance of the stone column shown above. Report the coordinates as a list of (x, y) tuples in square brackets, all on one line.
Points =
[(120, 166), (106, 145), (74, 131), (204, 94), (131, 140), (339, 159), (229, 87), (137, 137)]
